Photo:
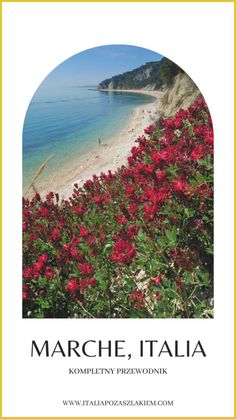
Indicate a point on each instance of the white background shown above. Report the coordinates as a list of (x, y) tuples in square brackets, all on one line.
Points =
[(36, 38)]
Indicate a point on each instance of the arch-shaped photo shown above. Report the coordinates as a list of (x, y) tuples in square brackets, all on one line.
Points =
[(118, 190)]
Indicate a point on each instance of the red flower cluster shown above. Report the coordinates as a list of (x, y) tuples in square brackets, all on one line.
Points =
[(39, 268), (76, 286), (153, 215), (123, 252), (137, 298)]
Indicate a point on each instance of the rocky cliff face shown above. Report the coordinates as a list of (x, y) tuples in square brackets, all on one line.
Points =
[(181, 94)]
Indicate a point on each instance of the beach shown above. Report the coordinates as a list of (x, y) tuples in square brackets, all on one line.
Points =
[(108, 155)]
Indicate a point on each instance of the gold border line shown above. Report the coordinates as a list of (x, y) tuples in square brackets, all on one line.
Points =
[(1, 361), (234, 329), (1, 212), (118, 1)]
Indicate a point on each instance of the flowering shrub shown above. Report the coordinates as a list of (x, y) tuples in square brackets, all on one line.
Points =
[(134, 243)]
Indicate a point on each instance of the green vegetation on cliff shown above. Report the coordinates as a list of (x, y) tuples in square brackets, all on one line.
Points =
[(152, 75)]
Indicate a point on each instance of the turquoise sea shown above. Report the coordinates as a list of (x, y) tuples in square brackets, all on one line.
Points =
[(69, 121)]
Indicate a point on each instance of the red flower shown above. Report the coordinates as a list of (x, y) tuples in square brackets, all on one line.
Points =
[(49, 272), (37, 197), (123, 252), (169, 123), (43, 258), (137, 298), (150, 129), (37, 267), (209, 139), (204, 190), (75, 240), (157, 280), (49, 196), (83, 231), (86, 284), (74, 252), (145, 169), (133, 208), (90, 240), (198, 223), (27, 273), (180, 185), (121, 219), (55, 235), (26, 293), (197, 153), (149, 211), (79, 210), (133, 230), (72, 287), (158, 157), (66, 247), (130, 189), (102, 238), (33, 237), (97, 199), (43, 212), (86, 269), (160, 175), (183, 258)]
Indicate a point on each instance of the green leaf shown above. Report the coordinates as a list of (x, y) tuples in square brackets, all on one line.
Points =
[(134, 314), (189, 212), (174, 286), (43, 303), (42, 282), (150, 246), (157, 264), (204, 276), (142, 235), (171, 234), (166, 283), (188, 277), (84, 248), (99, 306), (200, 178), (202, 162), (193, 182), (101, 277), (171, 170), (142, 259), (160, 241), (107, 247)]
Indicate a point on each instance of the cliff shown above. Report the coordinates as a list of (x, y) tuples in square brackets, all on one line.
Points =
[(150, 76), (181, 94), (139, 78)]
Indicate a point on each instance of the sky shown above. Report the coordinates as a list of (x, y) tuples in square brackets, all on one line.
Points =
[(96, 64)]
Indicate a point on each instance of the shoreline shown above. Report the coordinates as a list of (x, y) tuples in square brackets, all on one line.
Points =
[(109, 155), (154, 93)]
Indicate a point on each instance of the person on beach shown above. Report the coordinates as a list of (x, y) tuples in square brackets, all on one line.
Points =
[(99, 141)]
